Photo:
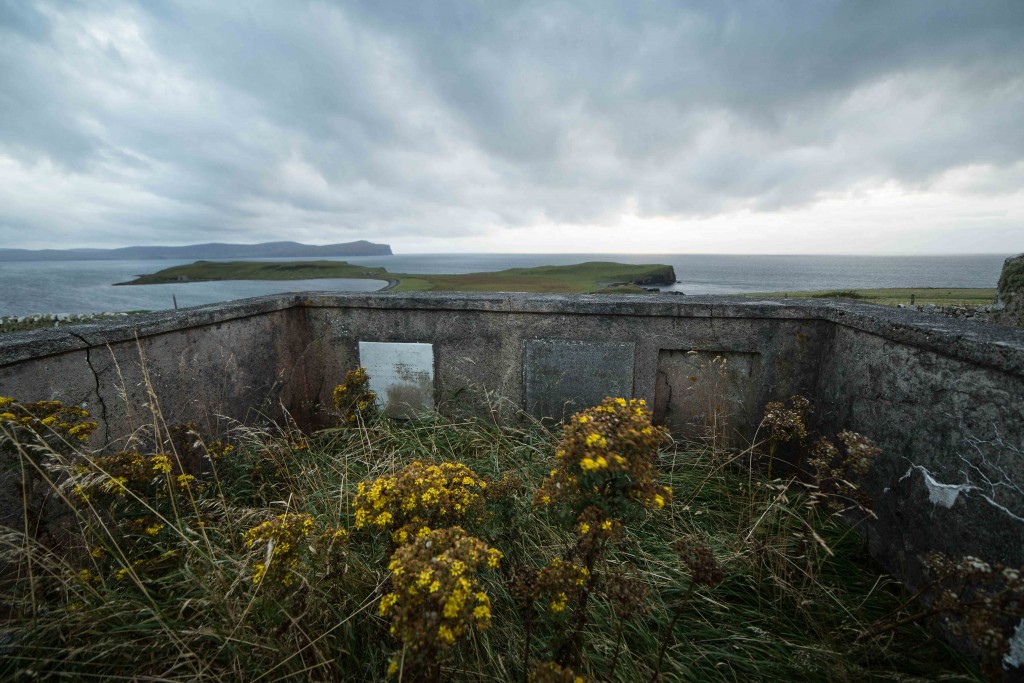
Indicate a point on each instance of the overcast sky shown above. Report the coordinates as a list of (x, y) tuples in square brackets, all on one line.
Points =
[(874, 126)]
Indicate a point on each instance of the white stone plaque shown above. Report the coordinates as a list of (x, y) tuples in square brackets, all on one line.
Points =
[(402, 376)]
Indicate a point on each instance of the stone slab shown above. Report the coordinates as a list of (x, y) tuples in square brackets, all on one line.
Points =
[(707, 393), (402, 376), (561, 377)]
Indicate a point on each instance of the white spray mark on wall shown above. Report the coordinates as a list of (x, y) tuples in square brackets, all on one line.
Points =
[(1015, 657), (946, 495), (939, 493)]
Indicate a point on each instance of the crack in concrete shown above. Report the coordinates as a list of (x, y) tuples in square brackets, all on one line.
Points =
[(990, 476), (298, 362), (96, 380)]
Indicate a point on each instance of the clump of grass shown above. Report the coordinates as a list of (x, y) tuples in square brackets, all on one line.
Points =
[(841, 294), (260, 571)]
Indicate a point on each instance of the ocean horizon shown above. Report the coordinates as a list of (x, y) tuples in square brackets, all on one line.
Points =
[(77, 287)]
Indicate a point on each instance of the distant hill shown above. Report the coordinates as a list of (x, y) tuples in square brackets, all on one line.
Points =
[(213, 250)]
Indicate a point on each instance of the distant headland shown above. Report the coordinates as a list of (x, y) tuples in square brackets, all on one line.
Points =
[(212, 250)]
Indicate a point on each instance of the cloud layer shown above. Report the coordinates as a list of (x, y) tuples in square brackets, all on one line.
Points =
[(626, 126)]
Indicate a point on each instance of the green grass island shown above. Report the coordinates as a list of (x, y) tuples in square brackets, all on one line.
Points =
[(580, 278)]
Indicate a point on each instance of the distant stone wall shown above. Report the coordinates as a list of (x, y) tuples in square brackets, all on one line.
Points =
[(944, 398)]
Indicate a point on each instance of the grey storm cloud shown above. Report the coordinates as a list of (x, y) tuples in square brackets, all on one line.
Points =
[(178, 122)]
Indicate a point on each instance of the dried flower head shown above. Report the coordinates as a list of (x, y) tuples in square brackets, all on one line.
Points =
[(436, 597), (784, 423), (353, 398), (626, 592), (419, 495), (979, 601), (607, 457), (860, 452), (702, 563), (834, 470)]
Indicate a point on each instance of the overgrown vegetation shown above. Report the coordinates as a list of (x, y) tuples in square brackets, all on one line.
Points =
[(447, 547)]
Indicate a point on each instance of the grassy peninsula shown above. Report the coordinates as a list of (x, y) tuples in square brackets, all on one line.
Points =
[(581, 278)]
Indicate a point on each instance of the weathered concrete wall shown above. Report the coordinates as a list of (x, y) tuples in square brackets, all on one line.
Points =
[(204, 364), (944, 398), (952, 475), (481, 342)]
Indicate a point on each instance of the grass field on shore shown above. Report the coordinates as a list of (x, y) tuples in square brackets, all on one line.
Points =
[(940, 296), (580, 278)]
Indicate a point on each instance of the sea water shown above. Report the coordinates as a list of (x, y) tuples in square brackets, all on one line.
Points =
[(87, 286)]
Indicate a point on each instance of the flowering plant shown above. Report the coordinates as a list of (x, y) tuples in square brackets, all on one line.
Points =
[(419, 495), (284, 539), (353, 398), (607, 458), (436, 597), (47, 419)]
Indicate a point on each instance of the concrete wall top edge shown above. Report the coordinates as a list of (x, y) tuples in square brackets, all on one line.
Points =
[(19, 346), (986, 344)]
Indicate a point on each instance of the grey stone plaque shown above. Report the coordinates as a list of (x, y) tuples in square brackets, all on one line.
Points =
[(402, 376), (562, 377), (707, 393)]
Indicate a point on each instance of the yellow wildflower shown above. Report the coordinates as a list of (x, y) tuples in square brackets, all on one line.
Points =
[(161, 464)]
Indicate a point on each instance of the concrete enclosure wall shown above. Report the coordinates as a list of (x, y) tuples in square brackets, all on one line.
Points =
[(944, 398)]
